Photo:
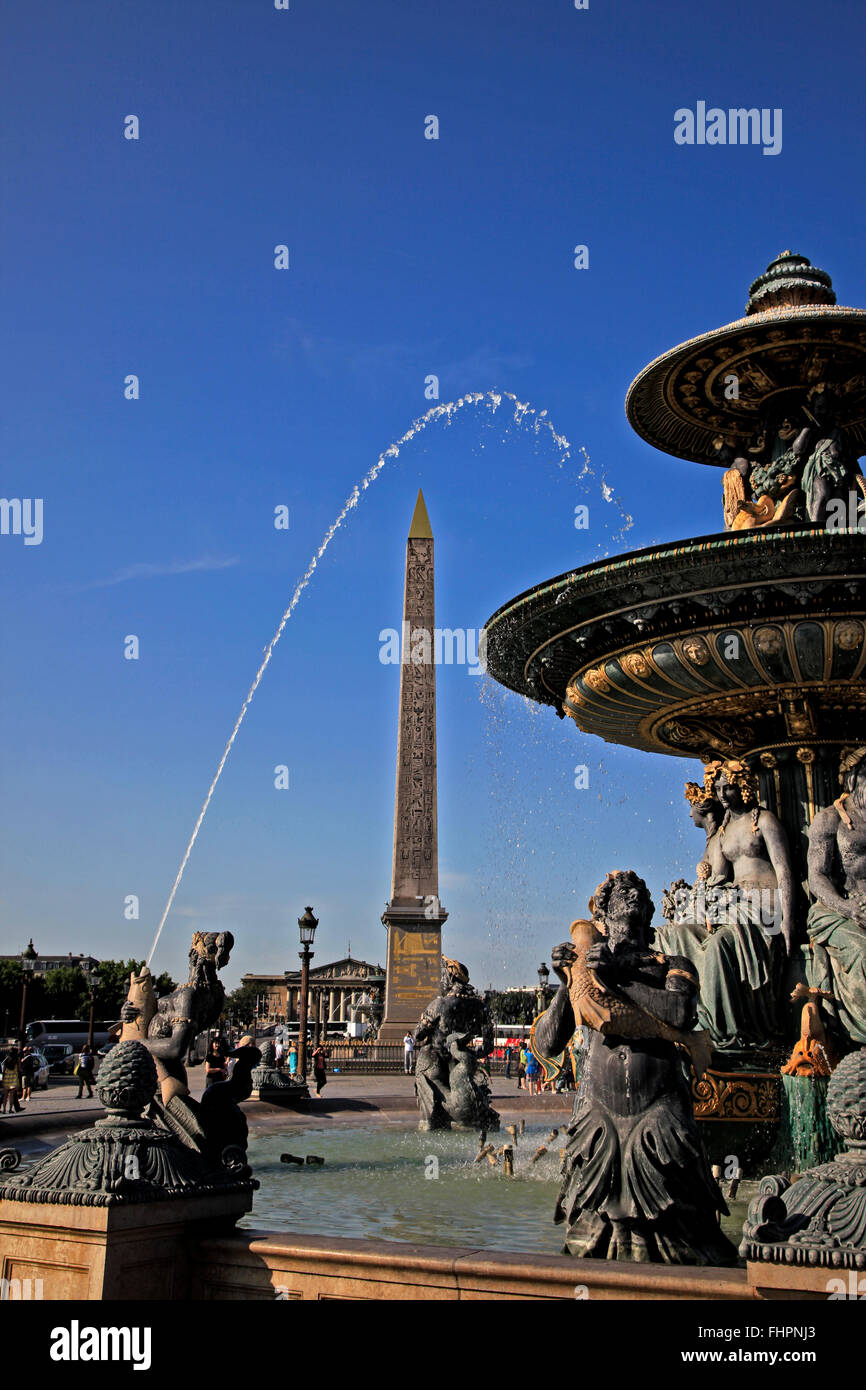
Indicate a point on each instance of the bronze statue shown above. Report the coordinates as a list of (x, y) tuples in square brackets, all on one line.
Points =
[(636, 1181), (736, 922), (170, 1025), (837, 880), (831, 473), (451, 1086)]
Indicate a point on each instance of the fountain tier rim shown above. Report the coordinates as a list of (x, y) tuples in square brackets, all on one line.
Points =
[(681, 413)]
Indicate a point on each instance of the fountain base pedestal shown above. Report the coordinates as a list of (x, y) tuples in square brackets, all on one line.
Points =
[(142, 1250)]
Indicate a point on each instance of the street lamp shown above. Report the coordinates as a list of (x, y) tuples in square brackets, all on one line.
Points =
[(28, 965), (543, 977), (307, 927), (91, 975)]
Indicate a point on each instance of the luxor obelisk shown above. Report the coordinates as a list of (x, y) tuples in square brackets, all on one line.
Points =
[(414, 915)]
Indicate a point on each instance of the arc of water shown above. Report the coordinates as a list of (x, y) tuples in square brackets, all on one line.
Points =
[(493, 399)]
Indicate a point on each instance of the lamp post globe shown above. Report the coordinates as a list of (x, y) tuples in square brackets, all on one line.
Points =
[(543, 977), (91, 975), (29, 957), (307, 928)]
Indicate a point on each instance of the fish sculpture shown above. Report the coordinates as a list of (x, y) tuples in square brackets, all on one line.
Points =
[(608, 1011)]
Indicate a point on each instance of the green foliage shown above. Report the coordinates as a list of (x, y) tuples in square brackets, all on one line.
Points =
[(242, 1003), (512, 1006), (113, 986), (65, 993)]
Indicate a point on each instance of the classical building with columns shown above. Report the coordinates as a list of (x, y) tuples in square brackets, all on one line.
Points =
[(335, 991)]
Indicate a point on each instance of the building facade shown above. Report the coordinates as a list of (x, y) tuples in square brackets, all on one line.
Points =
[(335, 994)]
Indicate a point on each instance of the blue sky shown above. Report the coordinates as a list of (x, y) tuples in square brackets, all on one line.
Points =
[(261, 387)]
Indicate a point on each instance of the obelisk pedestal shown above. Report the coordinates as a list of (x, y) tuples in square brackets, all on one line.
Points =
[(414, 915)]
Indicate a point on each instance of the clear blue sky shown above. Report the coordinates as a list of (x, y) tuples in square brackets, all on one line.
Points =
[(259, 387)]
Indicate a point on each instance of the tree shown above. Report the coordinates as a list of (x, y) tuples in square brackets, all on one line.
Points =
[(242, 1003), (113, 986), (512, 1005)]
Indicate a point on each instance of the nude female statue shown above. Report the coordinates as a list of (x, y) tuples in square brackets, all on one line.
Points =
[(736, 923)]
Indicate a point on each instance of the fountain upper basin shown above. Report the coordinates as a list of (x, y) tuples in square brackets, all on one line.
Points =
[(726, 643)]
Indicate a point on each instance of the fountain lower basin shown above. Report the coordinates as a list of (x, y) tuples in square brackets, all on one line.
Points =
[(374, 1185)]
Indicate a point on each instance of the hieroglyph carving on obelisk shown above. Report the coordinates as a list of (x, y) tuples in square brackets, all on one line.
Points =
[(414, 915)]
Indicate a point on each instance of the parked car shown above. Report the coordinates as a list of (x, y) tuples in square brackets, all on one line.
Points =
[(60, 1058)]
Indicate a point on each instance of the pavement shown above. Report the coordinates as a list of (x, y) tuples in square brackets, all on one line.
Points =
[(378, 1098)]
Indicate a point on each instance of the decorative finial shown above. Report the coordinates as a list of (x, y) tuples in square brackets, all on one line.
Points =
[(789, 281)]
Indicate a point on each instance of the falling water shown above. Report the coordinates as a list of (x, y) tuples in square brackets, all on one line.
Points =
[(523, 413)]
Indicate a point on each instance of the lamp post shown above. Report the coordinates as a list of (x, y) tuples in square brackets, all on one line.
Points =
[(91, 975), (307, 927), (28, 965), (543, 977)]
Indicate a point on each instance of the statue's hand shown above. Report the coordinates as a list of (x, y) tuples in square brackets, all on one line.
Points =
[(598, 956), (560, 957), (129, 1013)]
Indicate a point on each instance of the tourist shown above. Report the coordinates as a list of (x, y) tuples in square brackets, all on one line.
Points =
[(11, 1082), (293, 1060), (408, 1053), (521, 1069), (279, 1054), (29, 1068), (215, 1063), (84, 1072), (533, 1075), (509, 1053), (320, 1072)]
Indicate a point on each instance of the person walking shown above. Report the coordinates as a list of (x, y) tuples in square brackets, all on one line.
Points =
[(279, 1054), (215, 1063), (84, 1072), (293, 1060), (320, 1069), (11, 1082), (533, 1075), (29, 1068), (509, 1053), (408, 1054), (521, 1069)]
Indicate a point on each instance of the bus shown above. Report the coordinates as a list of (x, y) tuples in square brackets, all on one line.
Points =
[(66, 1030)]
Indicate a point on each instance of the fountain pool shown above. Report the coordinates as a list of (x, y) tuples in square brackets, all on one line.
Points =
[(374, 1186)]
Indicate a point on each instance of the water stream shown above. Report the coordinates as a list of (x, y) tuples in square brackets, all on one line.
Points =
[(523, 415)]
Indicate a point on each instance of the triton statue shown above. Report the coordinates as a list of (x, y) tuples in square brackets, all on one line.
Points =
[(636, 1181), (169, 1026), (451, 1086)]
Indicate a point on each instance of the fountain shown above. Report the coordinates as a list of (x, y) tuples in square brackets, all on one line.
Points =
[(744, 648)]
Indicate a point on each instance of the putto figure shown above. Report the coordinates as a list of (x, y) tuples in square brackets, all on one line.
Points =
[(451, 1086), (837, 880), (636, 1181)]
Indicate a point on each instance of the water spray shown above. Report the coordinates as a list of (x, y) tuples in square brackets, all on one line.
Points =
[(523, 412)]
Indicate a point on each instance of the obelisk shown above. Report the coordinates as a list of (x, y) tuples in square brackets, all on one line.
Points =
[(414, 915)]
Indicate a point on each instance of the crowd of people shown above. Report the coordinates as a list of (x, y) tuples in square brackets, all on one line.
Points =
[(219, 1059), (20, 1067)]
